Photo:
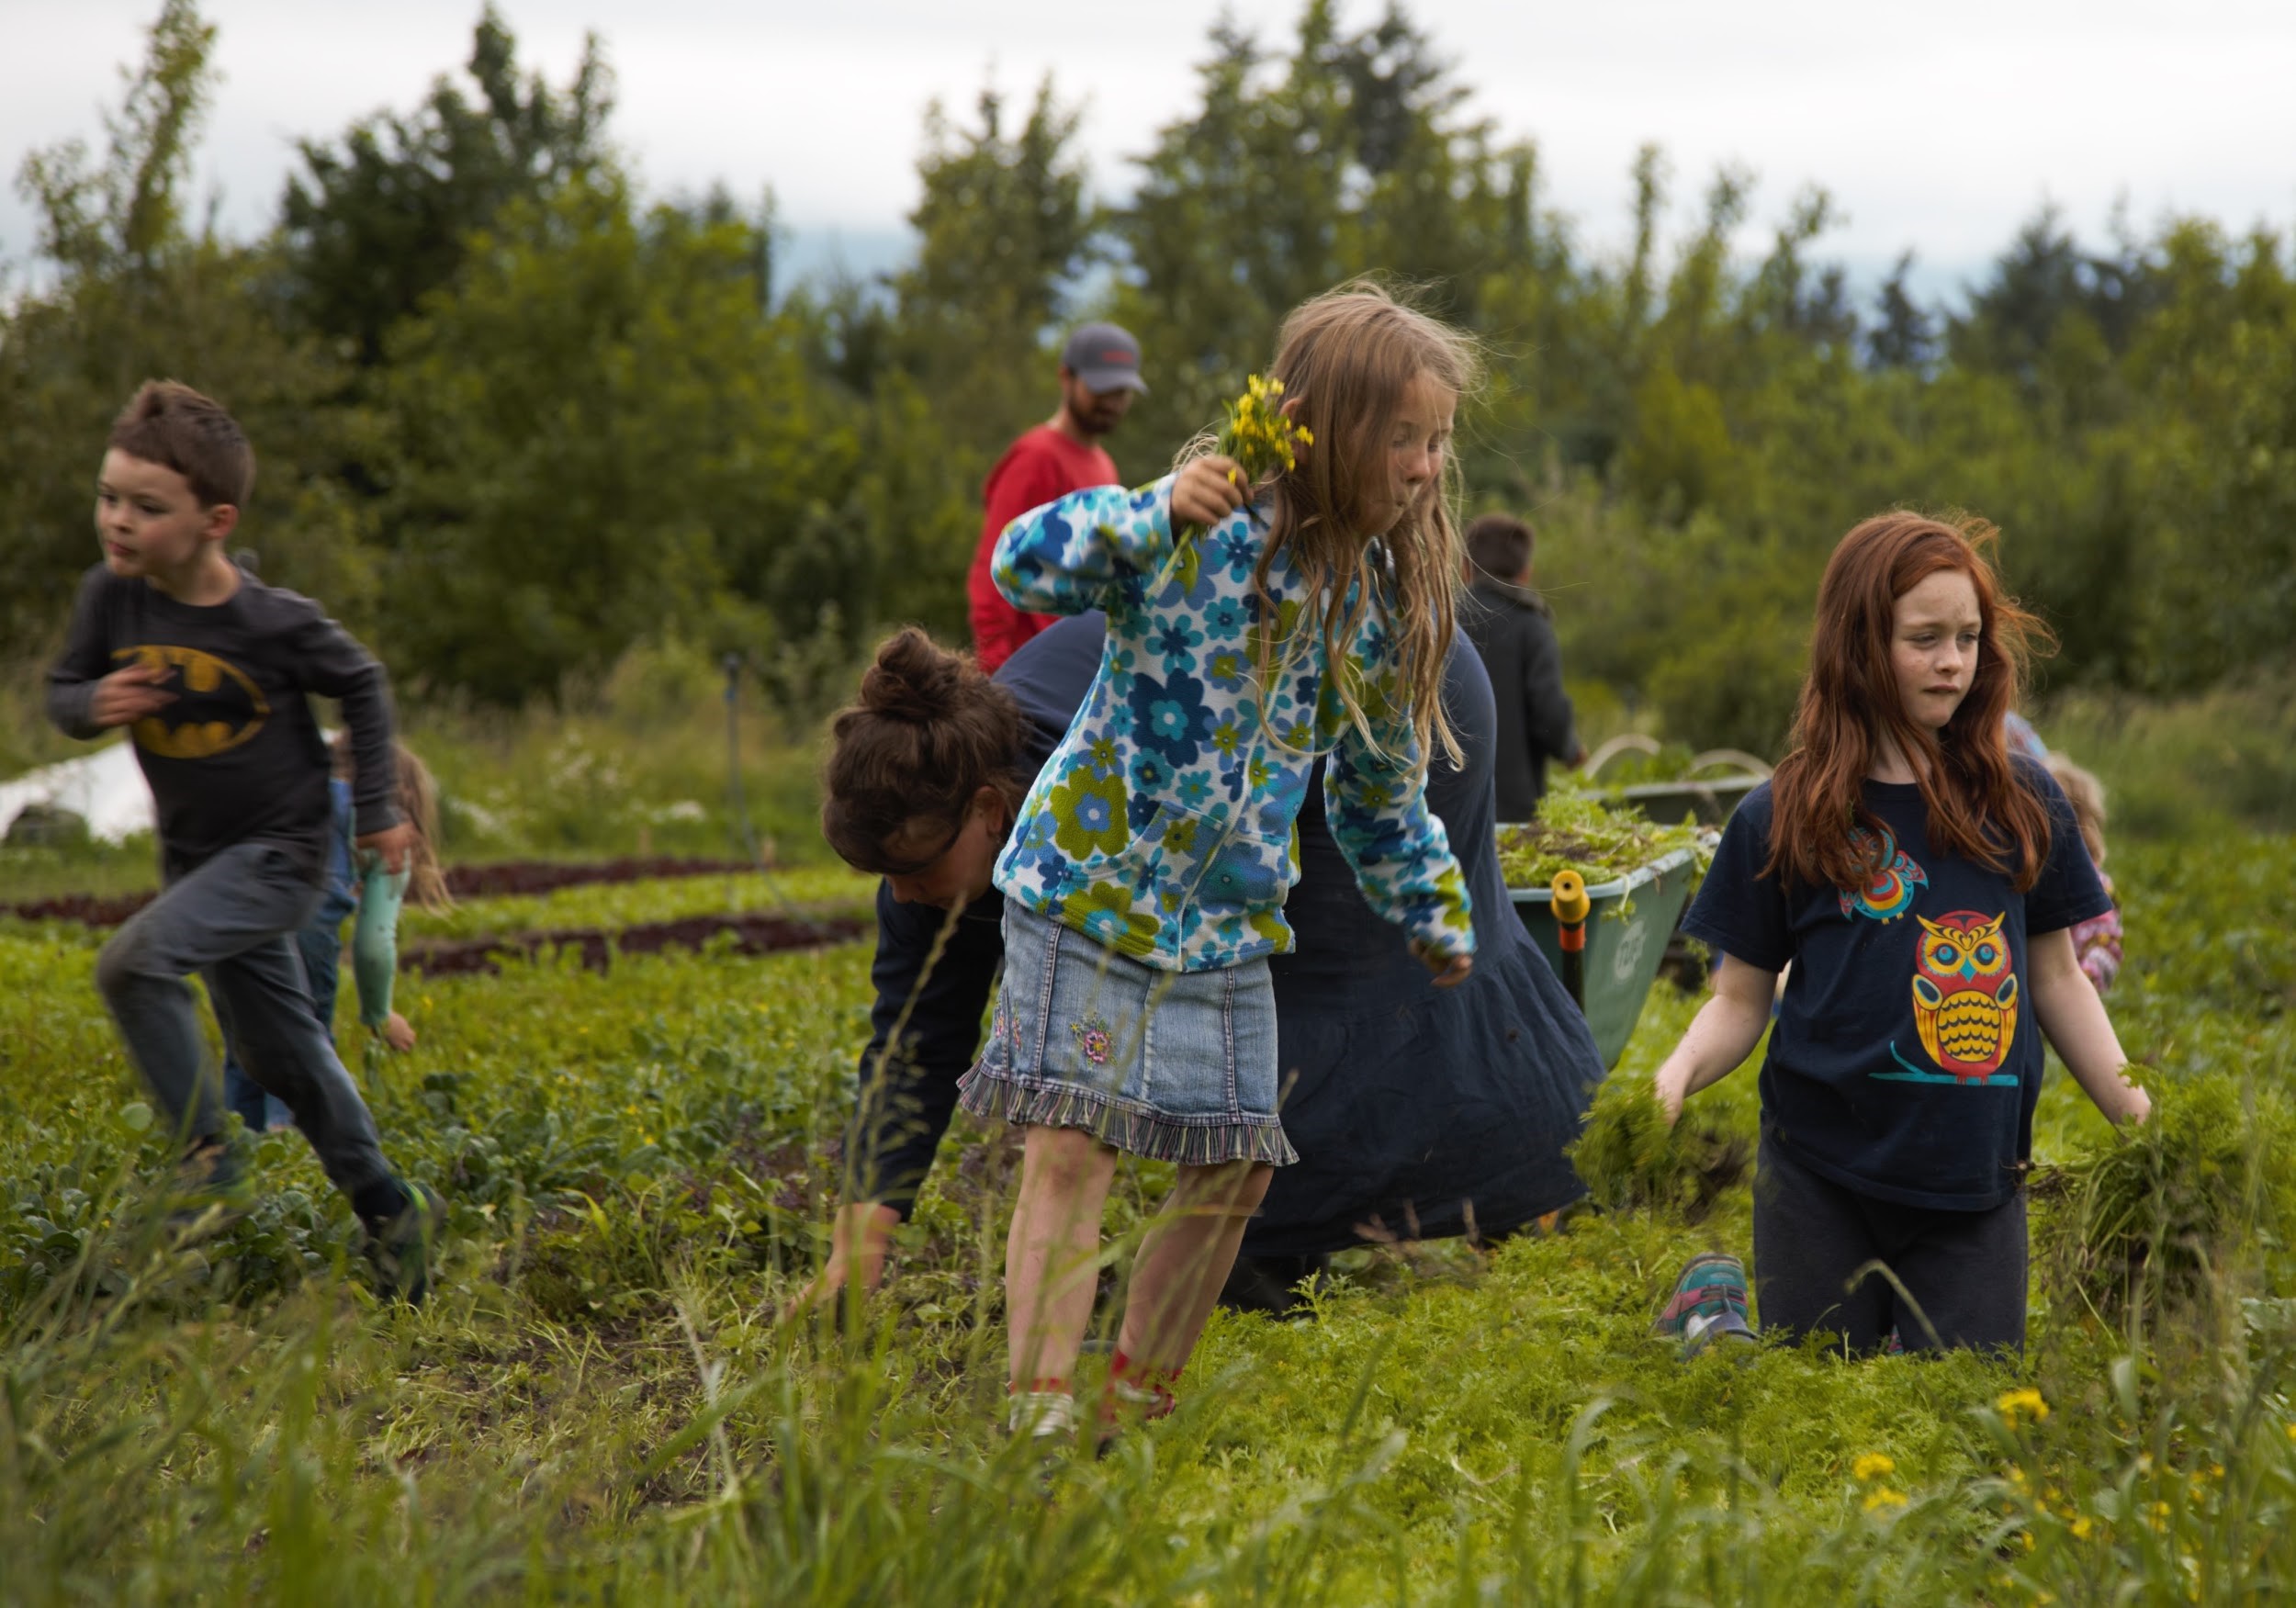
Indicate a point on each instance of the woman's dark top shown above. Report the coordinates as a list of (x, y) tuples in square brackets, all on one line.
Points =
[(1417, 1112), (1906, 1060)]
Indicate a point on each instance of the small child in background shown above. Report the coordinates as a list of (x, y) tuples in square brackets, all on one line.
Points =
[(358, 881), (2096, 941)]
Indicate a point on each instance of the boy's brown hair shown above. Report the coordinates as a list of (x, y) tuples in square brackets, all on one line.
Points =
[(1500, 545), (169, 423)]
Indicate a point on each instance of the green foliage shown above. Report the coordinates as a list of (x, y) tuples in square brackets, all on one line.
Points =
[(612, 905), (2173, 1210), (1577, 830), (1633, 1160), (595, 430), (135, 294), (383, 218), (600, 1404), (610, 426)]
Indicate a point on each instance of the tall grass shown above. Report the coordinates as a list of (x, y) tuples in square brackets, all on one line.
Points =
[(604, 1404), (2187, 768)]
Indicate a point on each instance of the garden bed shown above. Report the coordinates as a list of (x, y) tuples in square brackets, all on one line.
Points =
[(464, 882), (744, 935)]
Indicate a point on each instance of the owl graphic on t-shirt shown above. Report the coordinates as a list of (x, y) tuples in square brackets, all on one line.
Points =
[(1965, 994)]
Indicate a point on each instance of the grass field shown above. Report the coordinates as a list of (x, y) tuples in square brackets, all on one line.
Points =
[(602, 1405)]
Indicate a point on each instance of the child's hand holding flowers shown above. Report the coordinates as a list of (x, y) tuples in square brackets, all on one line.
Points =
[(1209, 489), (1258, 442)]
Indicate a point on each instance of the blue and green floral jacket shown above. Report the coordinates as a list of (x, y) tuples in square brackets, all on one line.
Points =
[(1162, 826)]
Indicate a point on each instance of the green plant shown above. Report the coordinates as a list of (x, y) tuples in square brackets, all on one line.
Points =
[(1578, 830), (1632, 1160), (2178, 1206)]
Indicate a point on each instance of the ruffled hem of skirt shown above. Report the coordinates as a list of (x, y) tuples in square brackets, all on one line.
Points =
[(991, 1096)]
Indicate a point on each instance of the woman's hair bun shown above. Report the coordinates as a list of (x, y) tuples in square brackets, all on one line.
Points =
[(913, 679), (929, 732)]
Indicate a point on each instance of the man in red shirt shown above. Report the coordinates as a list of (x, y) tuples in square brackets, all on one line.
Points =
[(1100, 373)]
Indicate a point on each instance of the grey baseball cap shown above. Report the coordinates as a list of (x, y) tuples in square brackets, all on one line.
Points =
[(1105, 357)]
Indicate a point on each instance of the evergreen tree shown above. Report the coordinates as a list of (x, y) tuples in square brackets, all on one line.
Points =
[(1903, 335), (380, 218)]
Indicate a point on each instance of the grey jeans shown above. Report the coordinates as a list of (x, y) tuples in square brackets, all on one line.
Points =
[(234, 921)]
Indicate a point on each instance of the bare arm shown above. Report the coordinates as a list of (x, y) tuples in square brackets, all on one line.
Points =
[(2072, 1018), (1721, 1036)]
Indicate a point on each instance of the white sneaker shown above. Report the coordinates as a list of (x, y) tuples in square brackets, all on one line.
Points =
[(1042, 1414)]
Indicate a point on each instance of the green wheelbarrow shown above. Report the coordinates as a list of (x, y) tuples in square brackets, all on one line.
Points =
[(1611, 958)]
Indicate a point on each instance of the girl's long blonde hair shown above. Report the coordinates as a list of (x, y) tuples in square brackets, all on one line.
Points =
[(418, 805), (418, 801), (1346, 358)]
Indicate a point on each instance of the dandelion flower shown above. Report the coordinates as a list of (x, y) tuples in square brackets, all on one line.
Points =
[(2021, 1405), (1881, 1497), (1872, 1466)]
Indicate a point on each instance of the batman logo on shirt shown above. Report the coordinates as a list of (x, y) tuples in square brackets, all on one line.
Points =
[(217, 705)]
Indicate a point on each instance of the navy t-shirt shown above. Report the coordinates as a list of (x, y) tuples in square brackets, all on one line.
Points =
[(1905, 1059)]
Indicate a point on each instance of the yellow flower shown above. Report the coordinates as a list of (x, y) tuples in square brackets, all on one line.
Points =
[(1259, 437), (1872, 1466), (2082, 1526), (1881, 1496), (2017, 1406)]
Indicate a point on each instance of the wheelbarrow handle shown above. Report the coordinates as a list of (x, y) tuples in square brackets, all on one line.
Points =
[(1570, 907)]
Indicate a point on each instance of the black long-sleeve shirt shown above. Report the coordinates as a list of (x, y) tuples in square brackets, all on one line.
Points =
[(1515, 634), (237, 757), (936, 1002)]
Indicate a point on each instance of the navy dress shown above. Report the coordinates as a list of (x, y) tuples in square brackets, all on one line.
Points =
[(1420, 1111), (1414, 1109)]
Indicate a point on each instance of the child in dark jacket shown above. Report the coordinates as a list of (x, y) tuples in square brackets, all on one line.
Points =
[(1513, 630)]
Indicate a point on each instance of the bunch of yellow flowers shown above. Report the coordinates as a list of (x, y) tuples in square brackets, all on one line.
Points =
[(1260, 436), (1263, 441)]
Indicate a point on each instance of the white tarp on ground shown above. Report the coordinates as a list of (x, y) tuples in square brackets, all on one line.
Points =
[(105, 786)]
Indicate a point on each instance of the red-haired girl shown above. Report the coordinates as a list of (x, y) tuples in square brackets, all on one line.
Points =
[(1923, 884)]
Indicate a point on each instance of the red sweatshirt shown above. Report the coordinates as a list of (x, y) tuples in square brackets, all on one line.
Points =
[(1041, 467)]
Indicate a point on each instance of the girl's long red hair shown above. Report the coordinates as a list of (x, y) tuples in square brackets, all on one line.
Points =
[(1978, 810)]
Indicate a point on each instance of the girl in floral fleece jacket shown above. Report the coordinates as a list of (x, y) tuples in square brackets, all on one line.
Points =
[(1253, 629)]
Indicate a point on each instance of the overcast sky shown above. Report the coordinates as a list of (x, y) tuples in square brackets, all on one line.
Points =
[(1941, 126)]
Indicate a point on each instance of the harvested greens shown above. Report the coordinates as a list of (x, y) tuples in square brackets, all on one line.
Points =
[(1576, 830)]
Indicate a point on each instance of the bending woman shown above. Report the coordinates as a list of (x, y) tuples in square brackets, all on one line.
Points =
[(1418, 1112)]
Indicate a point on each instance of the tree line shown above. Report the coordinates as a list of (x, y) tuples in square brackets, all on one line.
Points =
[(515, 417)]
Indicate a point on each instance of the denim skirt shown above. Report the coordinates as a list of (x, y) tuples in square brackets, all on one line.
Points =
[(1177, 1066)]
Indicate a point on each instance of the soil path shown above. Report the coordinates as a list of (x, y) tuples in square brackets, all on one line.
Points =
[(465, 881), (749, 934)]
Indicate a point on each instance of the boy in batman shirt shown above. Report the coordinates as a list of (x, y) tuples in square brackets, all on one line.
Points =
[(208, 669)]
